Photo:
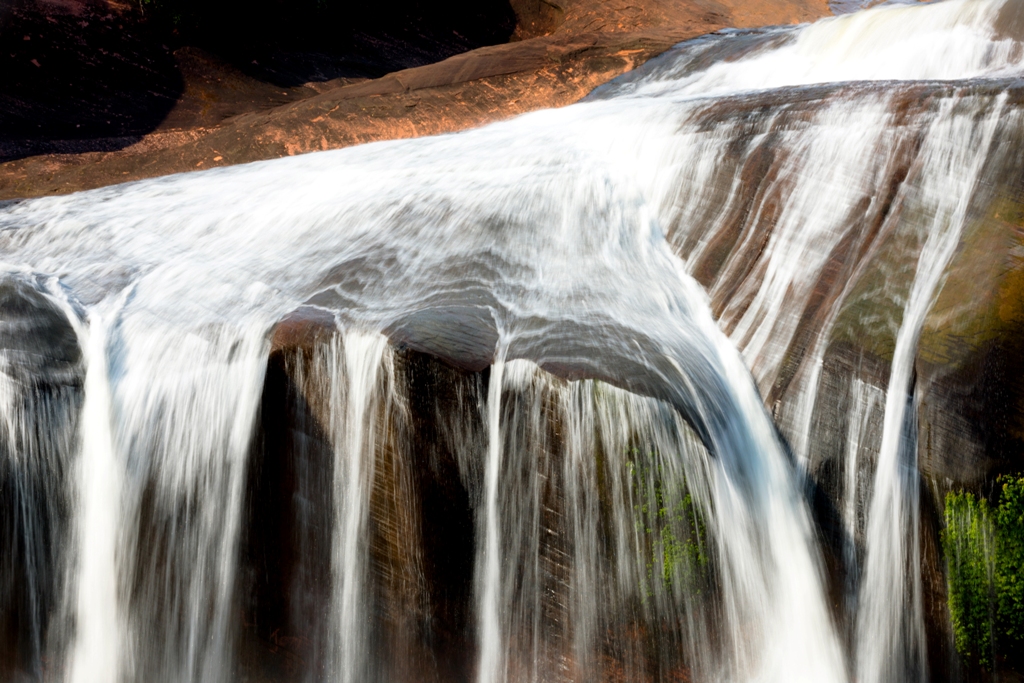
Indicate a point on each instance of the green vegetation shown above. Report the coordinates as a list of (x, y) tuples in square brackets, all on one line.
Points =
[(677, 552), (984, 548), (1010, 564), (968, 542)]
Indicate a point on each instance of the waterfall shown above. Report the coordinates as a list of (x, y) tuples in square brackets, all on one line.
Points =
[(540, 401), (98, 622), (361, 359), (491, 670), (884, 595)]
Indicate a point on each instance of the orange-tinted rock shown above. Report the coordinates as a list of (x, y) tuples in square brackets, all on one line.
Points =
[(560, 52)]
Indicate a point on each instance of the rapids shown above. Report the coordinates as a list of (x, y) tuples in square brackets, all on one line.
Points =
[(593, 336)]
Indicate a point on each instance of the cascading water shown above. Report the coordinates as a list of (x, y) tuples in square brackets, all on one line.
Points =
[(491, 668), (362, 359), (96, 654), (503, 434), (894, 496)]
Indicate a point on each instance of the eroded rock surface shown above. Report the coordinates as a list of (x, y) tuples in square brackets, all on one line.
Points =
[(198, 110)]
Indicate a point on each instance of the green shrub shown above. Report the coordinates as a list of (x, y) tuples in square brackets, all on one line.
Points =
[(968, 542), (984, 548), (674, 531), (1010, 562)]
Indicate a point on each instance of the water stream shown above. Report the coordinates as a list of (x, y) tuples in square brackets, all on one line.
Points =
[(549, 393)]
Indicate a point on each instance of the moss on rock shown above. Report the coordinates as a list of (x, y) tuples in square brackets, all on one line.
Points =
[(984, 548)]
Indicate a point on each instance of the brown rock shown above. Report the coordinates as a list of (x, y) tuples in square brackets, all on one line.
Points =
[(561, 50)]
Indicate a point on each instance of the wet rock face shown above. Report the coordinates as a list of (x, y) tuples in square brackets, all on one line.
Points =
[(969, 364), (965, 412), (424, 520), (422, 533), (972, 346), (37, 343), (288, 510), (967, 398), (41, 381)]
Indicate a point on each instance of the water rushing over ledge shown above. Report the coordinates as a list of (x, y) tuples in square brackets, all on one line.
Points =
[(492, 406)]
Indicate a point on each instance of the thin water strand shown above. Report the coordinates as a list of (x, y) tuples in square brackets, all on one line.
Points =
[(96, 656), (354, 369), (491, 668)]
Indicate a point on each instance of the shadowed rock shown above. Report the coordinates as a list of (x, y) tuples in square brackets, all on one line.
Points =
[(41, 376), (219, 109)]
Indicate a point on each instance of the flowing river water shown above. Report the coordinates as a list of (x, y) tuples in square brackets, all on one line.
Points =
[(557, 391)]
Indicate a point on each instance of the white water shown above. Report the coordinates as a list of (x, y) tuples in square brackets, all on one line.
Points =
[(829, 176), (353, 473), (865, 400), (491, 640), (560, 243), (530, 608), (189, 479), (96, 655), (947, 40), (895, 492)]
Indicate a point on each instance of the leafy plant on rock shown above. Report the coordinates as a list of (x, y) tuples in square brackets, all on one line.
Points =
[(671, 525), (984, 549)]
